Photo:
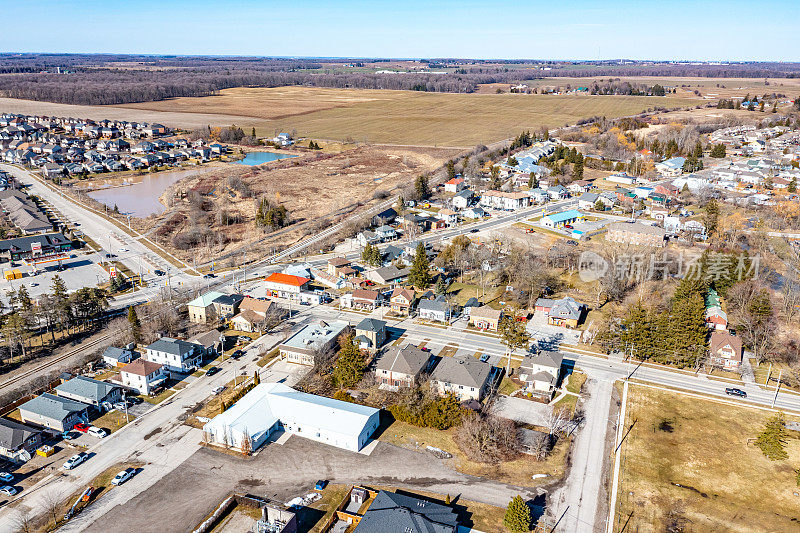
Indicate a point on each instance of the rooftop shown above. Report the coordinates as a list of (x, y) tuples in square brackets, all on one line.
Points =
[(316, 335)]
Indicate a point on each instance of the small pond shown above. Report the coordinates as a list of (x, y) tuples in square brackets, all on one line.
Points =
[(257, 158), (140, 199)]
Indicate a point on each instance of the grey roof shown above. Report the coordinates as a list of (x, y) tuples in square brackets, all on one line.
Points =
[(173, 346), (567, 308), (466, 371), (228, 299), (13, 434), (118, 354), (86, 388), (23, 244), (371, 324), (589, 197), (543, 358), (52, 407), (407, 360), (391, 272), (637, 227), (465, 193), (401, 513), (439, 305)]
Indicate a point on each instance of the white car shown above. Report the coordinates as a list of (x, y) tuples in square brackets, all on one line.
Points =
[(95, 431), (218, 390), (9, 490), (5, 476), (75, 460), (123, 476)]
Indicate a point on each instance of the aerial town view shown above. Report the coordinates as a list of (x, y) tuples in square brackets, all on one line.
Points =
[(440, 267)]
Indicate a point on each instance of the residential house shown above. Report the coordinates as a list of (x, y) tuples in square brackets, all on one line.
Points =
[(454, 185), (114, 356), (385, 233), (671, 167), (201, 309), (563, 312), (402, 367), (540, 372), (212, 341), (448, 216), (539, 196), (507, 201), (303, 346), (485, 317), (636, 233), (253, 313), (227, 305), (401, 300), (386, 216), (388, 274), (466, 377), (716, 318), (462, 199), (437, 310), (725, 350), (370, 334), (98, 394), (53, 412), (18, 442), (175, 355), (143, 376), (402, 513), (336, 264), (285, 285), (361, 299), (557, 192), (474, 213)]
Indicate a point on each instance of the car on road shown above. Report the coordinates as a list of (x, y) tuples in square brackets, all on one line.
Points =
[(474, 230), (211, 371), (210, 276), (75, 460), (218, 390), (95, 431), (109, 256), (7, 477), (124, 250), (69, 435), (9, 490), (123, 476), (733, 391), (237, 354), (34, 284), (484, 357), (83, 428), (159, 272), (572, 243)]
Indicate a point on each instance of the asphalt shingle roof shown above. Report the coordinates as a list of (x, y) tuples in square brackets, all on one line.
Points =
[(52, 407), (83, 387), (405, 514)]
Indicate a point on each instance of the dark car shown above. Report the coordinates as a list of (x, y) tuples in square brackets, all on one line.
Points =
[(69, 435), (237, 354), (484, 357), (210, 276), (159, 272), (213, 370), (109, 256), (134, 400), (321, 484), (732, 391), (572, 243), (474, 230)]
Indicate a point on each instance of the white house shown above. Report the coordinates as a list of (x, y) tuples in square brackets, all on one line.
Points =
[(175, 355), (270, 406), (507, 201), (671, 167), (142, 376)]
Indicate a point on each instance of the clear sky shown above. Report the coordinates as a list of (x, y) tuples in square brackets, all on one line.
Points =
[(553, 29)]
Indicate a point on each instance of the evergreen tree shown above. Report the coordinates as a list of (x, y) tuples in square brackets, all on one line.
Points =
[(421, 186), (772, 440), (711, 217), (577, 169), (441, 285), (420, 275), (253, 133), (451, 169), (718, 151), (135, 325), (518, 516), (687, 328), (792, 185), (349, 368), (599, 205), (698, 150)]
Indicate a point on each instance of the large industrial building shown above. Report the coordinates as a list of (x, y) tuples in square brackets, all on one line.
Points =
[(270, 406)]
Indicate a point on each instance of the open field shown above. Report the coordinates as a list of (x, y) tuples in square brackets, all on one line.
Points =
[(686, 461), (404, 117)]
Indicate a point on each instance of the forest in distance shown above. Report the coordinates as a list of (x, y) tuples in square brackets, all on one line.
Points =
[(88, 79)]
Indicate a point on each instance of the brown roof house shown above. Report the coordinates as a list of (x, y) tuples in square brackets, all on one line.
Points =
[(402, 367), (725, 350), (485, 317), (363, 299), (401, 300)]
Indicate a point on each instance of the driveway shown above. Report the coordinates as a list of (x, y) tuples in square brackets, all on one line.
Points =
[(522, 410), (281, 472)]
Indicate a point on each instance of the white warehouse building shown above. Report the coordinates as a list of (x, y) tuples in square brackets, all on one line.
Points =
[(270, 406)]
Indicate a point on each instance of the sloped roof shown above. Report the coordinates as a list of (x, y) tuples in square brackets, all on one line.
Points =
[(205, 300), (466, 371), (543, 358), (53, 407), (400, 513), (407, 360), (567, 308), (13, 434), (719, 339), (371, 324), (141, 367), (485, 311), (84, 387), (173, 346), (287, 279)]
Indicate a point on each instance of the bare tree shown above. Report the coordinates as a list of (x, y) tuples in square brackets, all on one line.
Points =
[(52, 502), (488, 438), (23, 522)]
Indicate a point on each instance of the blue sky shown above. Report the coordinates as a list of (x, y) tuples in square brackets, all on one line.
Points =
[(560, 29)]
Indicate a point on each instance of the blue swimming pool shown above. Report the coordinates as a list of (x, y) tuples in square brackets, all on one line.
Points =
[(257, 158)]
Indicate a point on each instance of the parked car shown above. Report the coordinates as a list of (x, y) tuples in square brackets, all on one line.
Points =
[(733, 391), (211, 371), (159, 272), (83, 428), (95, 431), (75, 460), (237, 354), (218, 390), (9, 490), (69, 435), (484, 357), (134, 400), (123, 476), (321, 484), (7, 477), (121, 406)]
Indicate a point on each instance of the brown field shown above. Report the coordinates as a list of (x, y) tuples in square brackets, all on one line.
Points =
[(405, 117), (316, 188), (701, 470)]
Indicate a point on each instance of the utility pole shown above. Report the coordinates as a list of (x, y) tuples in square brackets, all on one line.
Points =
[(777, 387), (125, 401)]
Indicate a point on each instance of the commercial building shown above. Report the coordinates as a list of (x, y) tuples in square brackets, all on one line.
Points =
[(48, 244), (282, 285), (559, 220), (314, 338), (270, 406)]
